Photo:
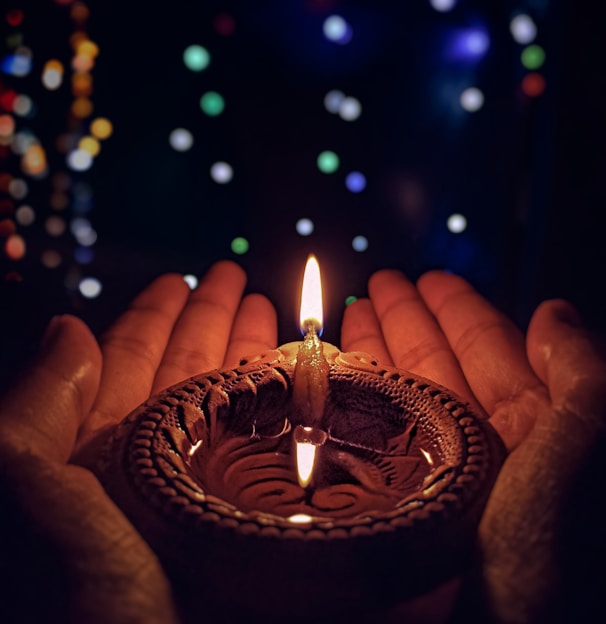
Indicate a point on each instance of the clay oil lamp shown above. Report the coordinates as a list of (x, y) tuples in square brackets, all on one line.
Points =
[(304, 483)]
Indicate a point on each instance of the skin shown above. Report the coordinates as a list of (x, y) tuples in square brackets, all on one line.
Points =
[(69, 546)]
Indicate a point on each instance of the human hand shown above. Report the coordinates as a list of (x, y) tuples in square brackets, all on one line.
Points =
[(68, 553), (541, 540)]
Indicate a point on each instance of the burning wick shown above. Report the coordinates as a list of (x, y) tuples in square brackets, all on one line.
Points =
[(310, 386)]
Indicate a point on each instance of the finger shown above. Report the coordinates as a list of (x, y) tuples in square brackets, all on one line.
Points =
[(414, 339), (569, 360), (360, 331), (255, 329), (134, 346), (42, 412), (491, 352), (200, 337)]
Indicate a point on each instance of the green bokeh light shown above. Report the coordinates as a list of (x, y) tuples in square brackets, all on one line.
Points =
[(349, 300), (239, 245), (212, 103), (328, 162), (196, 58), (533, 57)]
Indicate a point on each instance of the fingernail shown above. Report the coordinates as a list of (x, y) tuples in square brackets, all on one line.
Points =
[(52, 330)]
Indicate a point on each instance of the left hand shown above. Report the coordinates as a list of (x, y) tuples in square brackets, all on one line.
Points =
[(69, 554)]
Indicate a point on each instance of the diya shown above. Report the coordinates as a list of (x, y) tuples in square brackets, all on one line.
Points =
[(305, 481)]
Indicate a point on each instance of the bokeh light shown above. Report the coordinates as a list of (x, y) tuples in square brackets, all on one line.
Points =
[(18, 188), (221, 172), (456, 223), (196, 58), (443, 6), (7, 125), (101, 128), (14, 247), (240, 245), (25, 215), (523, 29), (355, 182), (54, 226), (350, 109), (224, 24), (533, 57), (328, 161), (14, 17), (23, 105), (304, 226), (84, 255), (19, 63), (89, 144), (472, 99), (51, 258), (52, 74), (212, 103), (181, 139), (79, 160), (533, 84), (90, 287), (359, 243), (83, 231), (337, 29), (332, 100), (34, 161), (191, 281)]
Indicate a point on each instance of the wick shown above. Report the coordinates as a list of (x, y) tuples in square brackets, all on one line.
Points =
[(310, 385)]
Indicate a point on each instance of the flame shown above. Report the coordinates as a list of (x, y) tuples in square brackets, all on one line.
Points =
[(306, 457), (311, 297)]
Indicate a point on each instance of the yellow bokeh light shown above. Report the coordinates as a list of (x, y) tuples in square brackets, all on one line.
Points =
[(82, 107), (33, 161), (101, 128), (53, 65), (89, 144), (87, 48)]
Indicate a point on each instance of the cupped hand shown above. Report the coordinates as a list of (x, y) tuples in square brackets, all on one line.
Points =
[(545, 395), (68, 553)]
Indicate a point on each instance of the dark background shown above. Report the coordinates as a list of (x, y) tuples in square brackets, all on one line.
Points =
[(526, 172)]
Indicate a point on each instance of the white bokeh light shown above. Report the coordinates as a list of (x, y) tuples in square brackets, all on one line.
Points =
[(52, 79), (191, 281), (90, 287), (304, 227), (472, 99), (456, 223), (181, 139), (79, 160), (443, 5), (335, 28), (350, 109), (333, 99), (360, 243), (523, 29), (221, 172)]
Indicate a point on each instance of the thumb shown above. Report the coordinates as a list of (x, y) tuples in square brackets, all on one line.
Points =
[(43, 410)]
